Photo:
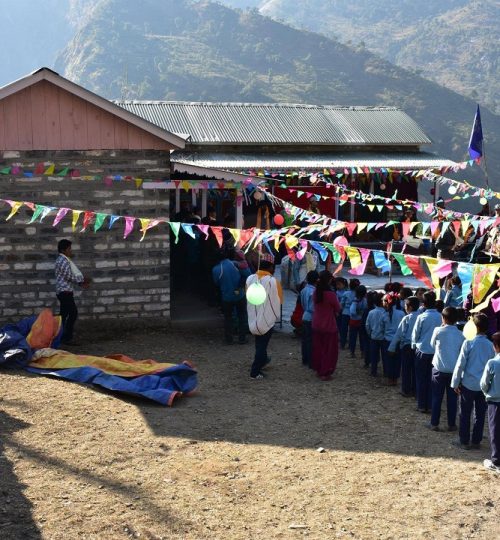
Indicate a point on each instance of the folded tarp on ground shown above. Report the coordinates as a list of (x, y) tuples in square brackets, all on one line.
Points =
[(31, 344)]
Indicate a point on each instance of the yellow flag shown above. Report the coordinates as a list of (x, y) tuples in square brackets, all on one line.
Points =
[(291, 241), (354, 256), (185, 185), (362, 226), (138, 182), (276, 242), (465, 225), (144, 227), (74, 221), (483, 278), (14, 210), (50, 169), (236, 234)]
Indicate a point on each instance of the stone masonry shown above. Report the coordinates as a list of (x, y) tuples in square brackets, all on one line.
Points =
[(131, 279)]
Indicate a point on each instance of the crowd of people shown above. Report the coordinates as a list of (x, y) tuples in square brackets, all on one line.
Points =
[(418, 340)]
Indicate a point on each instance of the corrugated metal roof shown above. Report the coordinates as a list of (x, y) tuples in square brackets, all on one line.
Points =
[(296, 161), (255, 123)]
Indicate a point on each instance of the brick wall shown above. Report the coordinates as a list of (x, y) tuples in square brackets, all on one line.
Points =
[(131, 279)]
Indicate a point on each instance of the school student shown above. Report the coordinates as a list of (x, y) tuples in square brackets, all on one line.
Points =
[(364, 337), (490, 385), (356, 312), (306, 300), (390, 322), (402, 338), (453, 296), (375, 332), (421, 342), (466, 379), (345, 304), (447, 341)]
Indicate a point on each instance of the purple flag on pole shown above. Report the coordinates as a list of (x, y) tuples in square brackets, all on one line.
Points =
[(476, 137)]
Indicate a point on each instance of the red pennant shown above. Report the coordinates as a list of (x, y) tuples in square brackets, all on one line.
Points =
[(351, 227), (414, 265), (406, 228), (456, 226), (218, 235), (245, 237), (177, 183), (87, 218), (40, 168)]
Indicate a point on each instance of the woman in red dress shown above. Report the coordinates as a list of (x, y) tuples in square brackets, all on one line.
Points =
[(325, 351)]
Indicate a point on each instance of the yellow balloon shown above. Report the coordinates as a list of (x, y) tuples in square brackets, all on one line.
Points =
[(470, 330)]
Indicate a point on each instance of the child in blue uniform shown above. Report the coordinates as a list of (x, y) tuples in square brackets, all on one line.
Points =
[(424, 352), (402, 338), (447, 341), (356, 312), (490, 385), (306, 300), (390, 322), (375, 332), (345, 304), (466, 379)]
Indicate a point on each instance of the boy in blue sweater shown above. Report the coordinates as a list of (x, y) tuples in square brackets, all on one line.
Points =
[(402, 338), (490, 385), (231, 282), (424, 351), (375, 332), (447, 341), (466, 379), (345, 303)]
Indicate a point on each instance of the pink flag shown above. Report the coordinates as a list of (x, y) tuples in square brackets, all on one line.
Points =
[(60, 214), (495, 303), (129, 225), (360, 269)]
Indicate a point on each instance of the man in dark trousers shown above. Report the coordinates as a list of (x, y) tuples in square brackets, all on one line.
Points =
[(67, 276)]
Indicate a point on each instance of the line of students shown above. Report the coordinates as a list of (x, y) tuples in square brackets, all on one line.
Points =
[(426, 348)]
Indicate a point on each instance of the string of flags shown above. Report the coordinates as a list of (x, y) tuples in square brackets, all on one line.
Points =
[(477, 277), (362, 171)]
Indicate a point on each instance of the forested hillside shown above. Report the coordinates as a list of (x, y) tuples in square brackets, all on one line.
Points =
[(177, 50), (453, 42)]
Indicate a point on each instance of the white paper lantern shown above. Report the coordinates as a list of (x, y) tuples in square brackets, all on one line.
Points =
[(452, 190), (483, 201)]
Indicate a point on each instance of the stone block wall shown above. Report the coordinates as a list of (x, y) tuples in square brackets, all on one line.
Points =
[(131, 279)]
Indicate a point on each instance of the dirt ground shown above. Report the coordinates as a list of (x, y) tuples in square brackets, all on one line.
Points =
[(239, 460)]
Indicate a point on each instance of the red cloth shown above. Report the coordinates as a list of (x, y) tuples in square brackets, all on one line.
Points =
[(325, 346)]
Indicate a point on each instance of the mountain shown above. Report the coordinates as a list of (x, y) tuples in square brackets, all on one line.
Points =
[(178, 50), (452, 42)]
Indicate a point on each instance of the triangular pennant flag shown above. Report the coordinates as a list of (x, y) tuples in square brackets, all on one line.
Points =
[(5, 170), (87, 218), (218, 235), (236, 235), (64, 172), (354, 256), (138, 182), (46, 211), (15, 205), (381, 262), (204, 229), (414, 265), (59, 216), (371, 207), (405, 270), (465, 226), (188, 229), (361, 226), (438, 269), (74, 220), (290, 241), (484, 276), (49, 170), (351, 227), (39, 208), (175, 229), (245, 237), (112, 220), (360, 269), (129, 226), (99, 220)]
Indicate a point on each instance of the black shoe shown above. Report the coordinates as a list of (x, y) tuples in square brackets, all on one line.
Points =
[(258, 376), (432, 428), (452, 428)]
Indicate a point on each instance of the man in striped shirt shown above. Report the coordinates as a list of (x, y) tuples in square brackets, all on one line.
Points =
[(67, 276)]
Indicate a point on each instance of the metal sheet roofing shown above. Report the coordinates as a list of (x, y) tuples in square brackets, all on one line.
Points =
[(281, 124), (297, 161)]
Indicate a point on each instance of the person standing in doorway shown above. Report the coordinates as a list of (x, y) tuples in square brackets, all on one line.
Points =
[(67, 277)]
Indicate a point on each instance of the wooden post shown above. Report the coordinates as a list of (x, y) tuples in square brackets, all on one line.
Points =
[(239, 209)]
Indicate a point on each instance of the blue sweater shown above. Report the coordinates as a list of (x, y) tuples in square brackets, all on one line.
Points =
[(230, 280), (403, 333), (469, 369), (390, 324), (374, 323), (490, 381), (447, 342), (423, 329), (306, 300)]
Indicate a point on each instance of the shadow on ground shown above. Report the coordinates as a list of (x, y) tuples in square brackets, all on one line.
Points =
[(290, 408)]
